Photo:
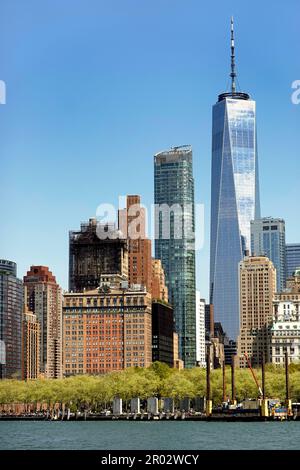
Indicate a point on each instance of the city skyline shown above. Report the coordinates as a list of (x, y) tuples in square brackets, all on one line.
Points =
[(63, 210)]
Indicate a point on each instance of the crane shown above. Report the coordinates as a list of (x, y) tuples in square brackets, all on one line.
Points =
[(253, 375)]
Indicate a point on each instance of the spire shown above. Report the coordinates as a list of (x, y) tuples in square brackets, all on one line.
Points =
[(238, 95), (233, 73)]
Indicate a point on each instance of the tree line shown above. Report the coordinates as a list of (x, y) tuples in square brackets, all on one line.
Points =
[(96, 392)]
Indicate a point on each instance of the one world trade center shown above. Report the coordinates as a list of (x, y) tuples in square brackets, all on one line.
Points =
[(234, 197)]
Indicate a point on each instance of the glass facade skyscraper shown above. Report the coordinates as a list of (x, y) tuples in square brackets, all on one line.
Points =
[(292, 258), (11, 310), (268, 239), (175, 240), (234, 198)]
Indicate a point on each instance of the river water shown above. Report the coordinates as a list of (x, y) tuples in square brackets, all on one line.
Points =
[(151, 435)]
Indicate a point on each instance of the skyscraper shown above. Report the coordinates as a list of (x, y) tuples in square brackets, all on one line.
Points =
[(11, 308), (257, 289), (234, 196), (31, 336), (174, 240), (132, 225), (268, 239), (159, 290), (292, 258), (44, 299)]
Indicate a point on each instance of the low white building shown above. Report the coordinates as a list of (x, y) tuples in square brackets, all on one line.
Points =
[(200, 330), (284, 333)]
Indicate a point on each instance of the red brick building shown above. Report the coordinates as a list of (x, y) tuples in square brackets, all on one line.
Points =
[(107, 329)]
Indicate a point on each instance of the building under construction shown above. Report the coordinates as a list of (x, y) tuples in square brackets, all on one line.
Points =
[(95, 250)]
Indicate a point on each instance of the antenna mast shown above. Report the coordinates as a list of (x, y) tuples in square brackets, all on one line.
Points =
[(233, 73)]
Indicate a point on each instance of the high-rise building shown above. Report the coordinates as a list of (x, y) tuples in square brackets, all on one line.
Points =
[(132, 224), (200, 331), (159, 289), (234, 197), (292, 258), (94, 250), (257, 289), (44, 299), (268, 239), (284, 333), (11, 308), (175, 240), (30, 346), (108, 328), (162, 333)]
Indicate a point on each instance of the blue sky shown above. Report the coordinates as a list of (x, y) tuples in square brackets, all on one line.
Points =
[(95, 88)]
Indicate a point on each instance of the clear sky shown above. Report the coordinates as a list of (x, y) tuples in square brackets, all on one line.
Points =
[(96, 87)]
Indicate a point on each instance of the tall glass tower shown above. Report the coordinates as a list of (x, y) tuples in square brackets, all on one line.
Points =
[(11, 310), (268, 239), (234, 197), (175, 240)]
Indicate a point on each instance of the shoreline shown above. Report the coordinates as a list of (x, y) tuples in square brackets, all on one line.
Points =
[(213, 418)]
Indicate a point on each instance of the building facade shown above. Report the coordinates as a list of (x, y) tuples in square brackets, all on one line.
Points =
[(257, 288), (11, 308), (132, 224), (107, 329), (234, 198), (159, 288), (94, 250), (43, 297), (268, 239), (175, 240), (178, 363), (292, 258), (209, 321), (162, 333), (200, 331), (30, 346), (284, 333)]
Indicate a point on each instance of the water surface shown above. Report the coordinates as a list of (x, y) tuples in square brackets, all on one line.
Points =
[(149, 435)]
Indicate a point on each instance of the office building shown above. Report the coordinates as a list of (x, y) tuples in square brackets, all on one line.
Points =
[(94, 250), (257, 289), (44, 300), (178, 363), (230, 349), (175, 240), (292, 258), (30, 346), (200, 331), (234, 197), (11, 308), (162, 333), (132, 225), (268, 239), (108, 328), (159, 288), (284, 333), (209, 321)]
